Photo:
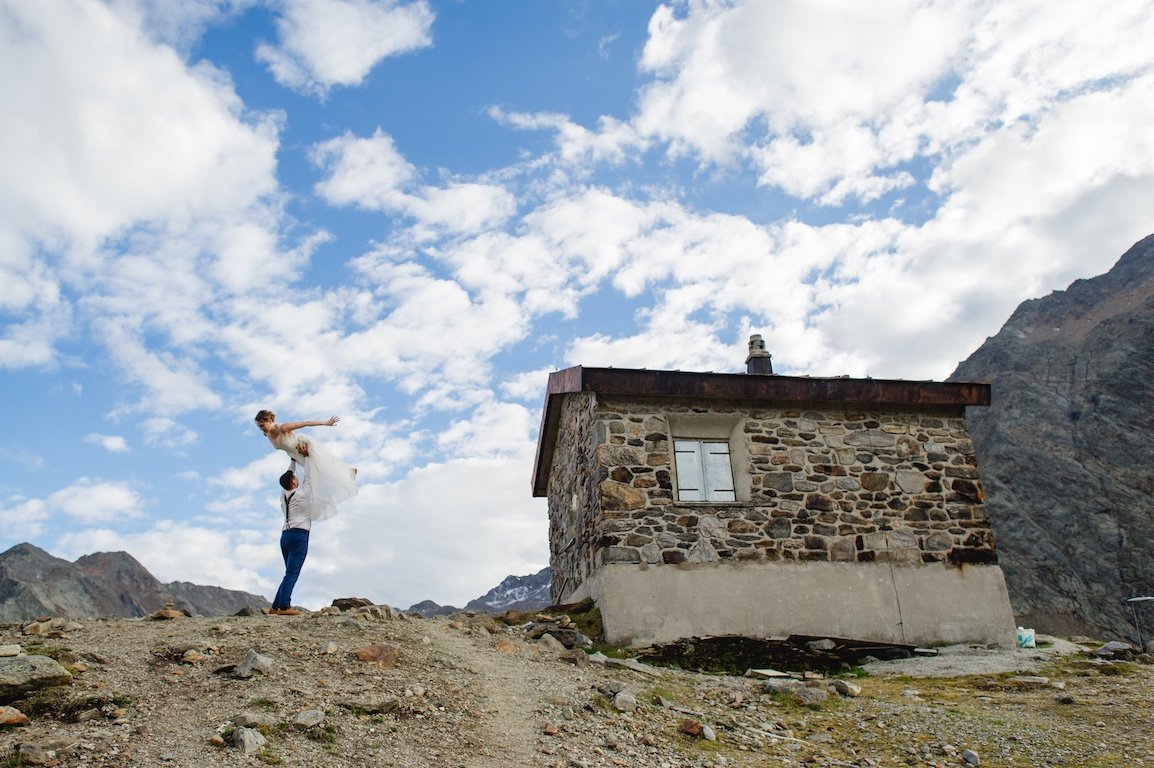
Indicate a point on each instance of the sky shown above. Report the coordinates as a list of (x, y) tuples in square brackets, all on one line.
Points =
[(408, 213)]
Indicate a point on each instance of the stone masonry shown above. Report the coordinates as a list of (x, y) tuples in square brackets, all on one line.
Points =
[(822, 482)]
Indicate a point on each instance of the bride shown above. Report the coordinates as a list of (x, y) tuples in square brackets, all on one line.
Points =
[(332, 480)]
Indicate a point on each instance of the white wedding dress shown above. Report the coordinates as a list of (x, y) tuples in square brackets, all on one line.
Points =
[(332, 480)]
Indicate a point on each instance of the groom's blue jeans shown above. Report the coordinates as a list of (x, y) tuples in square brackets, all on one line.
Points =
[(294, 546)]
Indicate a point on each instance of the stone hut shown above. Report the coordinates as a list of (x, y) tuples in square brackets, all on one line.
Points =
[(695, 504)]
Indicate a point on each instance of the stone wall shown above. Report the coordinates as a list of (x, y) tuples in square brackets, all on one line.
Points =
[(574, 514), (820, 483)]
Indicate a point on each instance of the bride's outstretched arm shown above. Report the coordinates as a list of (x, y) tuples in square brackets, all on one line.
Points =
[(290, 426)]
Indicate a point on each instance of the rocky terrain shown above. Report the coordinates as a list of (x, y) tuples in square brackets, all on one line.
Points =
[(1066, 449), (369, 686)]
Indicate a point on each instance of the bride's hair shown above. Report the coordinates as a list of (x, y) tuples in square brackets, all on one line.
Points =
[(265, 416)]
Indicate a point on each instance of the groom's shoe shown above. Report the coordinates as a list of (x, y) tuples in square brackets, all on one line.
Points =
[(285, 612)]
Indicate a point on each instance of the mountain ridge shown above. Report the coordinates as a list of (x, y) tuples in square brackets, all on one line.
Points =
[(35, 583), (1065, 448)]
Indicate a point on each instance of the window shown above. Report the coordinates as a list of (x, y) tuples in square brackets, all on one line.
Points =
[(703, 470)]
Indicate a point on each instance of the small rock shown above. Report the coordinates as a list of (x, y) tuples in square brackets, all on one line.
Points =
[(1115, 650), (381, 654), (254, 662), (550, 643), (846, 688), (254, 720), (47, 752), (574, 656), (550, 730), (330, 648), (691, 727), (248, 740), (625, 702), (10, 650), (504, 645), (10, 716), (349, 603), (309, 718), (970, 757), (708, 733), (24, 674), (807, 695)]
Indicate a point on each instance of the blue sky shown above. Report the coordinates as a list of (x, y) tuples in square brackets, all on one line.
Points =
[(409, 213)]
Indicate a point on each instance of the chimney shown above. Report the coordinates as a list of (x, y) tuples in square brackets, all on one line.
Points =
[(759, 361)]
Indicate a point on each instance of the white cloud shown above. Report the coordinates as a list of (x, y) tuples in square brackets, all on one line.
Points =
[(338, 42), (492, 430), (446, 532), (233, 559), (110, 443), (614, 141), (136, 138), (92, 501), (527, 385), (371, 174), (24, 518)]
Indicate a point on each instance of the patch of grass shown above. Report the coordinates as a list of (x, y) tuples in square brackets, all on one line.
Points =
[(602, 701), (12, 759), (56, 652), (268, 757), (325, 735), (262, 703), (58, 702)]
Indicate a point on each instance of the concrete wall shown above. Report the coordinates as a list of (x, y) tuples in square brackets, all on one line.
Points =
[(921, 605)]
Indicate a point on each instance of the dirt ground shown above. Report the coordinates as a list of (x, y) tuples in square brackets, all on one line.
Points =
[(470, 692)]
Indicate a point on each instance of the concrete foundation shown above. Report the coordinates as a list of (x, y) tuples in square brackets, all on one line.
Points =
[(924, 606)]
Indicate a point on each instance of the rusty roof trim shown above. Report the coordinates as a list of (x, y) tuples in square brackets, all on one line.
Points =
[(740, 386)]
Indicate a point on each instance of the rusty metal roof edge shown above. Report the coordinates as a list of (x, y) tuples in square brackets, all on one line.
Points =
[(560, 383), (745, 386)]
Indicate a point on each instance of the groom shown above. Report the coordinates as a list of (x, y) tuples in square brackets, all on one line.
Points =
[(295, 503)]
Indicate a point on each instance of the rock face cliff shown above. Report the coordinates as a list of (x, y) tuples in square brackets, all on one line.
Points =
[(33, 583), (1066, 450)]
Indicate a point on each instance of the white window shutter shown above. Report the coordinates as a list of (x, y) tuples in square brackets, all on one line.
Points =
[(690, 474), (718, 471)]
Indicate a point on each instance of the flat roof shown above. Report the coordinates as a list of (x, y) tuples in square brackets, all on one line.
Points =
[(769, 389)]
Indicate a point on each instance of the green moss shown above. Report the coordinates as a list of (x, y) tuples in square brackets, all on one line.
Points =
[(268, 757), (57, 652), (59, 703), (325, 735)]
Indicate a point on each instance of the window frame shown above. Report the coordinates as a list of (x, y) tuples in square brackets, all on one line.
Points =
[(697, 463)]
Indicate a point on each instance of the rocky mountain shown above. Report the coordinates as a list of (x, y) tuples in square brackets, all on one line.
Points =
[(1066, 450), (518, 593), (34, 583)]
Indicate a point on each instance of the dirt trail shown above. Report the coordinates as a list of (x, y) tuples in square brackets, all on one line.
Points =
[(507, 699)]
